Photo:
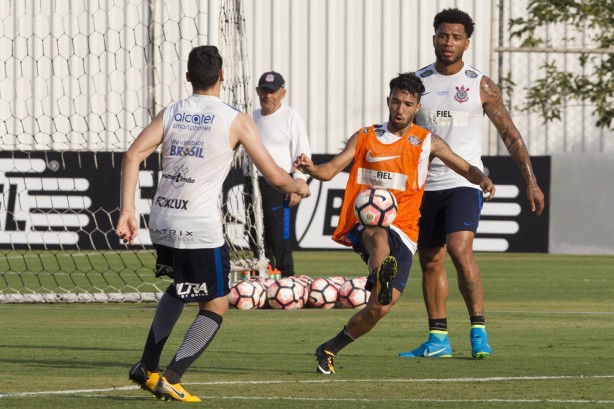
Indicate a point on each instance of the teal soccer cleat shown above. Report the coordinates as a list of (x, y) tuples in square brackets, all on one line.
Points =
[(437, 346), (479, 343)]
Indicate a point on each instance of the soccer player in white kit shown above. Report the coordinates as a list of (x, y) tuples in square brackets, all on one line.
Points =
[(199, 135), (455, 99)]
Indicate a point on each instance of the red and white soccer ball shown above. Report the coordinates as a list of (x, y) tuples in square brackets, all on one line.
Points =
[(246, 295), (305, 282), (265, 282), (286, 294), (323, 294), (352, 293), (375, 206), (262, 289), (338, 281)]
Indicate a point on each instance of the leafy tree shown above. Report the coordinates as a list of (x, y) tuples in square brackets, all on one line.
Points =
[(596, 86)]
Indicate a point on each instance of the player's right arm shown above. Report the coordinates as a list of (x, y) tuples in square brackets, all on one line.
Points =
[(143, 146), (243, 131), (330, 169)]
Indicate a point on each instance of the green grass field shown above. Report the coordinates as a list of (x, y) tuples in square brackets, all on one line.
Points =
[(550, 321)]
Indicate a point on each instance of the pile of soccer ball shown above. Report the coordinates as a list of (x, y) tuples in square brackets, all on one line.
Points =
[(374, 206), (297, 292)]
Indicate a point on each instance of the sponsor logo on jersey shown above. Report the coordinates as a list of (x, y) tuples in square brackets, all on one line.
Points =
[(180, 204), (186, 151), (173, 234), (385, 179), (197, 119), (471, 74), (462, 94), (426, 73), (191, 289), (371, 158), (414, 140), (379, 131), (180, 177)]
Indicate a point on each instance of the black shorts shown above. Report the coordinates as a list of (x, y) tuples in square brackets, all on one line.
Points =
[(199, 275), (447, 211), (398, 250)]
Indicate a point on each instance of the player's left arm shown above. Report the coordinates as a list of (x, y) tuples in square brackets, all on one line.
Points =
[(440, 149), (492, 102)]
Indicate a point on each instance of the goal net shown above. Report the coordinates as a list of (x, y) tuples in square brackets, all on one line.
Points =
[(78, 81)]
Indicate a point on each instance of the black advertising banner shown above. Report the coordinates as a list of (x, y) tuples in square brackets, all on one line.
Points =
[(60, 200), (69, 200), (507, 223)]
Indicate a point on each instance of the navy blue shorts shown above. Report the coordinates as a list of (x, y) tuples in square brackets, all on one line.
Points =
[(447, 211), (398, 250), (199, 275)]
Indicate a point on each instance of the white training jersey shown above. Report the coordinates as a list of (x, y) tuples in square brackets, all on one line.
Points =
[(452, 109), (196, 157), (284, 135)]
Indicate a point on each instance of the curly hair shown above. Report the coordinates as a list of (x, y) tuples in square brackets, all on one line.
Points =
[(408, 81), (204, 66), (454, 16)]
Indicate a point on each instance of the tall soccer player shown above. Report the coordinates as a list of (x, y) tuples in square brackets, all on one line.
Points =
[(199, 136), (394, 155), (455, 99)]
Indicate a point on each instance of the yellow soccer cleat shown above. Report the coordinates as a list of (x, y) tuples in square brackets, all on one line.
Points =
[(142, 377), (167, 391)]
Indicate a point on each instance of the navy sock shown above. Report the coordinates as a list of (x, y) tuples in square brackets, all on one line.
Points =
[(477, 320), (340, 341), (438, 324)]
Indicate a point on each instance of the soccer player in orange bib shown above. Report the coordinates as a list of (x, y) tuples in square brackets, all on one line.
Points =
[(396, 156)]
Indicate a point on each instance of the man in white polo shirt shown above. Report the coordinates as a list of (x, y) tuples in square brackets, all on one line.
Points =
[(283, 132)]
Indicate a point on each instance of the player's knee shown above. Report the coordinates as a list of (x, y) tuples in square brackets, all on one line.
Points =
[(376, 311), (374, 235)]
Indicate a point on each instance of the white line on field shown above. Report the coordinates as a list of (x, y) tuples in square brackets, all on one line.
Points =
[(281, 398), (410, 380), (408, 400)]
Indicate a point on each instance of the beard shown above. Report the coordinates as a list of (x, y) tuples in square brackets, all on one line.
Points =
[(400, 125), (447, 60)]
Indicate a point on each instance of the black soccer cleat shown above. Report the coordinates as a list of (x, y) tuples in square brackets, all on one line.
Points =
[(326, 360), (386, 273)]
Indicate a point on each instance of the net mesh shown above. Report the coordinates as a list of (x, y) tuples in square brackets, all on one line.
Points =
[(78, 81)]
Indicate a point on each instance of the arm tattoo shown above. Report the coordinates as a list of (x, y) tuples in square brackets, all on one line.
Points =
[(441, 145), (502, 120)]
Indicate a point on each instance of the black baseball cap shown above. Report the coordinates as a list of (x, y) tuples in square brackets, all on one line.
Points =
[(271, 80)]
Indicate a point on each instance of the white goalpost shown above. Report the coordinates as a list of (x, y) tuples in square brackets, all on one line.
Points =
[(78, 81)]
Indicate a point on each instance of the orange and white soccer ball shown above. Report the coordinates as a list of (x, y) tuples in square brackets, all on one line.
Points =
[(375, 206), (247, 295), (286, 294), (322, 293), (352, 293)]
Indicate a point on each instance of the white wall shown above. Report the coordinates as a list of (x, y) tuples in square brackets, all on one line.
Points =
[(581, 196), (338, 56)]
